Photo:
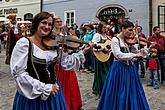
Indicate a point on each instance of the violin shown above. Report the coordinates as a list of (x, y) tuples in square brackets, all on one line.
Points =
[(131, 40), (56, 41)]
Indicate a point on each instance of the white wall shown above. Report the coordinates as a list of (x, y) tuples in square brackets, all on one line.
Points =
[(85, 10), (155, 10), (23, 7)]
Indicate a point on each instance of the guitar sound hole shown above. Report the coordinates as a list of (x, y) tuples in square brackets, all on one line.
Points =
[(108, 47), (97, 46)]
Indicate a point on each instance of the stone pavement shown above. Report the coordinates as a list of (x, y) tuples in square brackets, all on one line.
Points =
[(156, 98), (7, 85)]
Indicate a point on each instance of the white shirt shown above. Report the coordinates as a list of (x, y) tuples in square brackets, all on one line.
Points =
[(124, 56), (97, 38), (118, 53), (29, 86)]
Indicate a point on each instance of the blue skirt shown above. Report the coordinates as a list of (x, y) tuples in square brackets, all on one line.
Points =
[(52, 103), (123, 89)]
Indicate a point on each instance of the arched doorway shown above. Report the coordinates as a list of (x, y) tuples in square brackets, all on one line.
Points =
[(112, 11), (28, 17)]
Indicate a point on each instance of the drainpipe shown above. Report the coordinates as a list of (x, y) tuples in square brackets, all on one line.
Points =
[(41, 5), (150, 17)]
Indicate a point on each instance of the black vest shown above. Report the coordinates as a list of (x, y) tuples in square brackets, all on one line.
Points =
[(45, 71)]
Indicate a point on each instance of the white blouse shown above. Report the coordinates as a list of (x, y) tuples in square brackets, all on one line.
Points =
[(126, 56), (29, 86), (97, 38), (116, 50)]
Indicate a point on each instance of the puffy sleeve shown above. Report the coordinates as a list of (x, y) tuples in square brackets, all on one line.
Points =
[(118, 53), (26, 85), (73, 61), (96, 38)]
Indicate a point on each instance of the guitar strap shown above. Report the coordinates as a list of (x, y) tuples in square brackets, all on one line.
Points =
[(101, 40), (118, 40)]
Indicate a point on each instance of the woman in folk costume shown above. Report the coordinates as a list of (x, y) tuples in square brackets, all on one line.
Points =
[(67, 78), (101, 68), (32, 66), (123, 88)]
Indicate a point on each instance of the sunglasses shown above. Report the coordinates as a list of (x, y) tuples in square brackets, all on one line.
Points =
[(58, 21)]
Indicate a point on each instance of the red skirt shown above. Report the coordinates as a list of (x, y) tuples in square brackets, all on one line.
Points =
[(70, 88)]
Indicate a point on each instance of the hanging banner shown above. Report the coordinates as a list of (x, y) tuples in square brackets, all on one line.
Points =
[(8, 11)]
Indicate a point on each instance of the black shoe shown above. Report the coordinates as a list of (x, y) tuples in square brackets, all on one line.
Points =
[(150, 85), (156, 87), (94, 92), (142, 76)]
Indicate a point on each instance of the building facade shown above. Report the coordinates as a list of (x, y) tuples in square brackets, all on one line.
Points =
[(80, 11), (21, 9), (158, 14)]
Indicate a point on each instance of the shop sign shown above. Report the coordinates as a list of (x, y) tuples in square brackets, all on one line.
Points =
[(8, 11)]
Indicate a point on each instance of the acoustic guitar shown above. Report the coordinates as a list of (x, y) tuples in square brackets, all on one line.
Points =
[(100, 52)]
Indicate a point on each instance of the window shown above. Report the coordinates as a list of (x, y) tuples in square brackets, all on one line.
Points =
[(69, 17), (28, 16), (19, 19), (161, 18)]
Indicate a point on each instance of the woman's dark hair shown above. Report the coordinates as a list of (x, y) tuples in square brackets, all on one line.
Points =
[(38, 18), (100, 26), (126, 24), (91, 26)]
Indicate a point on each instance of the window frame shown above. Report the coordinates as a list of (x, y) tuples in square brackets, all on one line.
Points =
[(161, 21), (71, 20)]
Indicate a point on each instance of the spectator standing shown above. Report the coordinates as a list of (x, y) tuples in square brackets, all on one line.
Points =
[(89, 63), (153, 66), (11, 42), (140, 61), (160, 41)]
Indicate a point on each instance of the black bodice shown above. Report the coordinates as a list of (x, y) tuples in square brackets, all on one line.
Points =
[(39, 69), (122, 49)]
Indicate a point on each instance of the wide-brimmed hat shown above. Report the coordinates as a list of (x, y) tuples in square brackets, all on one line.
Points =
[(4, 33)]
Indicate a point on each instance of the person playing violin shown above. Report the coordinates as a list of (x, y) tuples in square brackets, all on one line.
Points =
[(67, 78), (32, 67), (123, 88)]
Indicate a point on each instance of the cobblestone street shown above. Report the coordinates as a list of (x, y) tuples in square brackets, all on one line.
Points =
[(156, 98)]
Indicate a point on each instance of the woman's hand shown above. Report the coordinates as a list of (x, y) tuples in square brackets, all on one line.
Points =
[(55, 89), (139, 55), (153, 44), (88, 47), (91, 44), (107, 50)]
